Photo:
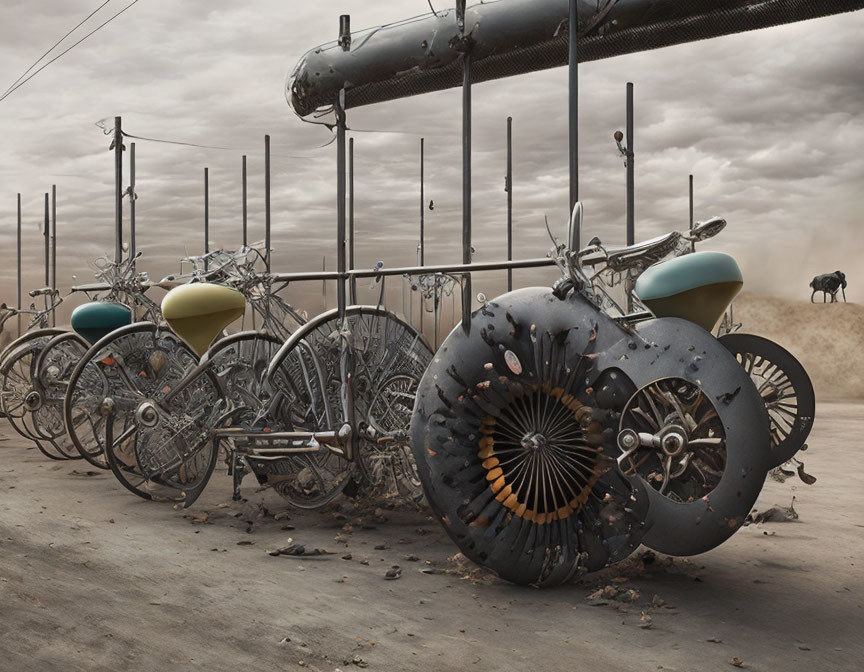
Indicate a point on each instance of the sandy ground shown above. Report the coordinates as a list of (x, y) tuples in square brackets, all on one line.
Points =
[(825, 337), (93, 579)]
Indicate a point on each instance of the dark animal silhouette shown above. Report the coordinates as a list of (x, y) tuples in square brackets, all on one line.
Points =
[(829, 284)]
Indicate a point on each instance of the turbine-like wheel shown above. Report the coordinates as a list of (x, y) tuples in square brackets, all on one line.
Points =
[(513, 432)]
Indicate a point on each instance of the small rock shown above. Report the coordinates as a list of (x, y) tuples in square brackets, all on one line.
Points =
[(395, 572)]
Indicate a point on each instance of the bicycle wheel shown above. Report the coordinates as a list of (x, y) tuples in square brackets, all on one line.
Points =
[(388, 357), (785, 389), (18, 395), (165, 451), (305, 481), (53, 368), (88, 386)]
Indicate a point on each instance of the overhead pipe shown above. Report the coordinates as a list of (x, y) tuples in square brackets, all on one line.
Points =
[(513, 37)]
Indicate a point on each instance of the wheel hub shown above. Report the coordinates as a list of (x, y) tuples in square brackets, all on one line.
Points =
[(33, 400), (146, 414), (534, 441)]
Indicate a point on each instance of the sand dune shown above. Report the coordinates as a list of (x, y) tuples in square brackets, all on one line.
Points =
[(826, 338)]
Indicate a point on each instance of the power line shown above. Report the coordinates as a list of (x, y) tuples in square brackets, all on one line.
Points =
[(66, 51), (56, 44)]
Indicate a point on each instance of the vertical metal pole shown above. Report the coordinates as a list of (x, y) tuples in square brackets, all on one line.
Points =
[(118, 191), (245, 211), (267, 202), (340, 202), (19, 263), (206, 216), (422, 204), (421, 249), (692, 244), (324, 282), (353, 287), (631, 200), (508, 187), (46, 233), (573, 109), (466, 166), (53, 247), (132, 243)]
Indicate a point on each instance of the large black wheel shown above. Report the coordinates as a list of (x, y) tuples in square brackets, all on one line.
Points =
[(785, 389), (512, 441)]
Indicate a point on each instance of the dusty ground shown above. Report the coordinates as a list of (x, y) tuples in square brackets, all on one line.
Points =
[(93, 579)]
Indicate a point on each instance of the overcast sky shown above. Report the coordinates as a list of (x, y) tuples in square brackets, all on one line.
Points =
[(769, 122)]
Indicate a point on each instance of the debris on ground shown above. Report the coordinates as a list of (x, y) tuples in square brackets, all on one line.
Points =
[(776, 514), (459, 565), (395, 572), (299, 550)]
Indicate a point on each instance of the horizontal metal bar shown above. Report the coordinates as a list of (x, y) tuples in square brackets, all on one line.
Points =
[(240, 432), (271, 454), (456, 269)]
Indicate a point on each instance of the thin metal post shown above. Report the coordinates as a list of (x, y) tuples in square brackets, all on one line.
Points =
[(340, 202), (631, 200), (573, 109), (353, 287), (508, 187), (132, 244), (422, 204), (118, 191), (421, 248), (46, 234), (692, 244), (324, 282), (245, 211), (19, 263), (53, 247), (267, 202), (206, 216), (466, 165)]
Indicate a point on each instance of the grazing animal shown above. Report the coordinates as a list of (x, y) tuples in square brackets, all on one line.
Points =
[(829, 284)]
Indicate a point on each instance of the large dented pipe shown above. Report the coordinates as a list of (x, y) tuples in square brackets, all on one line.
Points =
[(512, 37)]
